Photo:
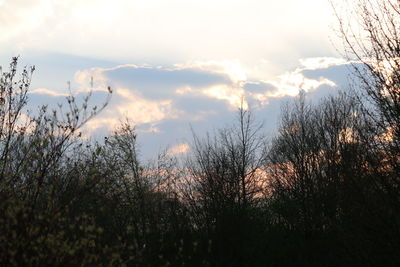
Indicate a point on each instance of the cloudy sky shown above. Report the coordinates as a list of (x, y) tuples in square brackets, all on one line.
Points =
[(174, 64)]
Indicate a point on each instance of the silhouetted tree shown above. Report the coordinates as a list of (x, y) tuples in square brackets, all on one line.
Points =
[(225, 182), (317, 168), (374, 43)]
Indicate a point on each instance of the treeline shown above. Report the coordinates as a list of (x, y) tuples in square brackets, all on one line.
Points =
[(324, 191)]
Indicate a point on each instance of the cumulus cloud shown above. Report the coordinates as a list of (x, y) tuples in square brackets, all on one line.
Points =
[(291, 83), (233, 95), (127, 104), (152, 79), (149, 95), (155, 91), (164, 101)]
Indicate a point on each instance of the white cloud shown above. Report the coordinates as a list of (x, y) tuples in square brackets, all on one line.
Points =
[(132, 99), (164, 101), (315, 63), (136, 109), (234, 96), (232, 68), (85, 78), (291, 83), (230, 72), (187, 29), (144, 110), (184, 90), (179, 149), (45, 91)]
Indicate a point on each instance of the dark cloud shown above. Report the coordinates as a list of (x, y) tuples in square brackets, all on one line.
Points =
[(161, 83), (339, 74), (194, 105), (53, 70), (96, 98), (258, 87)]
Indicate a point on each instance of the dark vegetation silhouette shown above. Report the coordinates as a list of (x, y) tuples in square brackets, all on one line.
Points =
[(324, 191)]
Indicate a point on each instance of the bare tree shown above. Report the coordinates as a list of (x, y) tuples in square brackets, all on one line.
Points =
[(371, 36), (225, 181), (226, 167), (317, 169)]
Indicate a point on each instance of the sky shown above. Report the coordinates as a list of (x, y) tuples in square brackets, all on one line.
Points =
[(174, 65)]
